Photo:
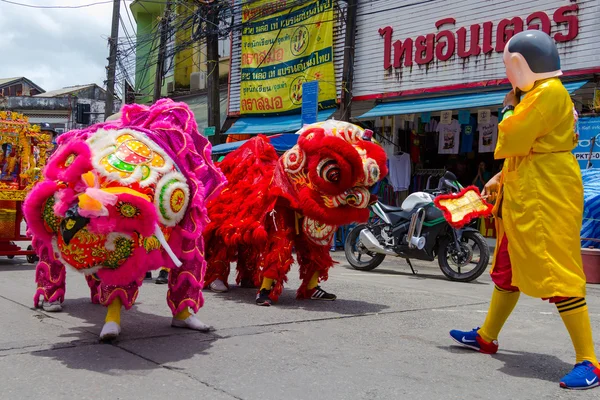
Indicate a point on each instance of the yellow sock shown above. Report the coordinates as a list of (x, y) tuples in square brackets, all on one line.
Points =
[(502, 304), (113, 314), (183, 315), (314, 281), (267, 284), (574, 313)]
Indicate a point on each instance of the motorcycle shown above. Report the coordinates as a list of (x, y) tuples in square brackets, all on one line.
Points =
[(418, 230)]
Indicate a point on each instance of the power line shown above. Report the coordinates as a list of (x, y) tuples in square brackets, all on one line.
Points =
[(38, 6)]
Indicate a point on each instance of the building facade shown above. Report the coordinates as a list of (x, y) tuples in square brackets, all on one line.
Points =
[(63, 109), (185, 64), (430, 79), (19, 86)]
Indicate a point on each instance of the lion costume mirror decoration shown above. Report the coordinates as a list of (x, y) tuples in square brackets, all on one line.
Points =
[(121, 198), (273, 205)]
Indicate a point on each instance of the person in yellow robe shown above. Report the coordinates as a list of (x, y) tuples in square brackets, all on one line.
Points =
[(539, 205)]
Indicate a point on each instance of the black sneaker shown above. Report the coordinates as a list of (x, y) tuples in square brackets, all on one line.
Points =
[(148, 275), (163, 277), (320, 294), (262, 298)]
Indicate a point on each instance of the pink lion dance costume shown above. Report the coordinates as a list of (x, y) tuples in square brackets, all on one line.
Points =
[(121, 198), (273, 205)]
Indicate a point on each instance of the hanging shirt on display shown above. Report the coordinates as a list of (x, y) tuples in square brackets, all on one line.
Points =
[(488, 135), (431, 126), (415, 151), (467, 135), (399, 167), (449, 138), (388, 141)]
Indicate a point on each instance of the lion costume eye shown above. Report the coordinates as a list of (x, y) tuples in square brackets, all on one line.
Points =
[(371, 171), (329, 170)]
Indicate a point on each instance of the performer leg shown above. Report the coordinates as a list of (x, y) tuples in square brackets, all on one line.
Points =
[(113, 313), (185, 284), (112, 322), (504, 300), (113, 297), (314, 281), (247, 266), (267, 284), (163, 276), (94, 285), (50, 277), (502, 304), (219, 261), (575, 315), (277, 262), (314, 261)]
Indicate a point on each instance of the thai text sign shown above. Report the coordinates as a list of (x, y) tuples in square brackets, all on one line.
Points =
[(443, 44), (418, 47), (282, 48)]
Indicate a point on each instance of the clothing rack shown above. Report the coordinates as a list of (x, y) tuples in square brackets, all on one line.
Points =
[(423, 171), (382, 138), (417, 184), (385, 192)]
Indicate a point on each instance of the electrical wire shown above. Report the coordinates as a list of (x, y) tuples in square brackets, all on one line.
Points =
[(56, 7), (235, 27)]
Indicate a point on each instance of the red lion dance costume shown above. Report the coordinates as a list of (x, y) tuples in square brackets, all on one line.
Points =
[(273, 205), (119, 199)]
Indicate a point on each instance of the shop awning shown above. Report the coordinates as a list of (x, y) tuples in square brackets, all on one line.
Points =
[(268, 125), (281, 143), (455, 102)]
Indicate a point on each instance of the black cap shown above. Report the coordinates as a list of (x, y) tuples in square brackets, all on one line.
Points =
[(44, 126), (538, 49)]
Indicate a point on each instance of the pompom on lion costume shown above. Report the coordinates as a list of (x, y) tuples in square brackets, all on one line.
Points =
[(273, 205), (121, 198)]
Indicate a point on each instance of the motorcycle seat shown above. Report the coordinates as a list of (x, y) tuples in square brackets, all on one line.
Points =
[(390, 209)]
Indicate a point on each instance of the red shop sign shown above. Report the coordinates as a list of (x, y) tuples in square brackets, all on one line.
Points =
[(485, 38)]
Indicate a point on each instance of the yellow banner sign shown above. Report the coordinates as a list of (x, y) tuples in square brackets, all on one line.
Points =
[(282, 48)]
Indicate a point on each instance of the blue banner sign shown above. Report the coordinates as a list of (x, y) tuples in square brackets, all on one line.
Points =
[(310, 102), (589, 128)]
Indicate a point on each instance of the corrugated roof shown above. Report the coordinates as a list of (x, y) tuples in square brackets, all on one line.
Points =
[(64, 91), (4, 81)]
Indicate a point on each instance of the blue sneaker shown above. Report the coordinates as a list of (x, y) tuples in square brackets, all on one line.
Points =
[(472, 340), (584, 376)]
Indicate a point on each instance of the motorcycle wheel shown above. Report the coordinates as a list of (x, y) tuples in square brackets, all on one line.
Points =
[(455, 264), (354, 254)]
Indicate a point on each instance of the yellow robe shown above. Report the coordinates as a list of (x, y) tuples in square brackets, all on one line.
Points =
[(542, 194)]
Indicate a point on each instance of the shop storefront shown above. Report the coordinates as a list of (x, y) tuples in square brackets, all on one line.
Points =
[(430, 79)]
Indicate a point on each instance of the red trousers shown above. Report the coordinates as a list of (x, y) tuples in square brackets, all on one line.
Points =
[(502, 272)]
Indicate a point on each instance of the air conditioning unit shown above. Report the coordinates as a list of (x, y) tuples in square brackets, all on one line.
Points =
[(198, 80), (170, 87)]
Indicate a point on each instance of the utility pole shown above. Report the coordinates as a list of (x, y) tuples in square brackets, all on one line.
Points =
[(212, 69), (160, 65), (112, 60), (348, 70)]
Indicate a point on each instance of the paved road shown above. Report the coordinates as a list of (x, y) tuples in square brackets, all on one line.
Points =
[(385, 338)]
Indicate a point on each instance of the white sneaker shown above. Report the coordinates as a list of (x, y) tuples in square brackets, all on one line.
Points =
[(110, 331), (55, 306), (191, 322), (218, 286)]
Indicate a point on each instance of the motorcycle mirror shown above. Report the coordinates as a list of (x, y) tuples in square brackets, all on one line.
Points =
[(450, 176)]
